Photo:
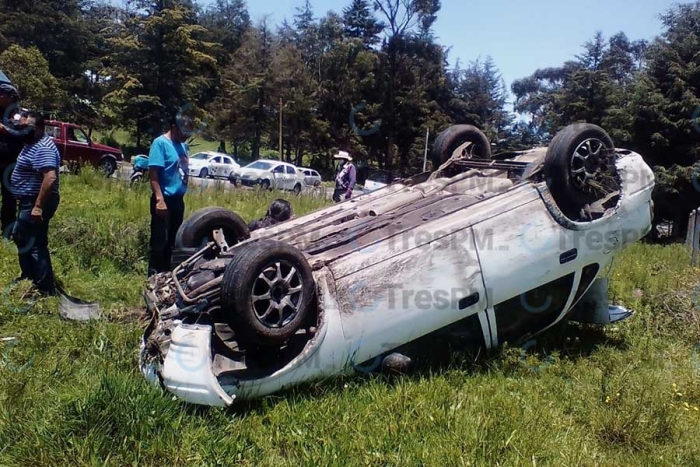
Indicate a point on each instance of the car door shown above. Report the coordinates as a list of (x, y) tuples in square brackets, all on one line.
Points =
[(399, 290), (215, 164), (291, 177), (278, 175), (532, 264), (54, 131), (227, 167), (78, 145)]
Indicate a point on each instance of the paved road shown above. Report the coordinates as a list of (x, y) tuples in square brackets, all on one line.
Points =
[(204, 183)]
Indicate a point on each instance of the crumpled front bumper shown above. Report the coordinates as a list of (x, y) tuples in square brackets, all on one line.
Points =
[(187, 371), (177, 356)]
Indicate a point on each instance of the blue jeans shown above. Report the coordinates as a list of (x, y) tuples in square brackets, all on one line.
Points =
[(32, 239)]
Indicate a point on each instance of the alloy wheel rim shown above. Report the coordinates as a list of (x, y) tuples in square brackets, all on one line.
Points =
[(277, 294)]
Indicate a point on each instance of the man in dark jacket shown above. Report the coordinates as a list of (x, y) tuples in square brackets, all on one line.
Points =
[(11, 143)]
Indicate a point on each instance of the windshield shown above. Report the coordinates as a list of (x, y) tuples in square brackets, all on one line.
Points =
[(260, 165), (200, 157)]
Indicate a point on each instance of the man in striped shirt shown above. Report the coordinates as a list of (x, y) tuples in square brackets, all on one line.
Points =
[(35, 184)]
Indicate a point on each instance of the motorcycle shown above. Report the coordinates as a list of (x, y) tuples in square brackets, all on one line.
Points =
[(139, 172)]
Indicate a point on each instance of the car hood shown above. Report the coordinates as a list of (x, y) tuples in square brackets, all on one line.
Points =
[(251, 173)]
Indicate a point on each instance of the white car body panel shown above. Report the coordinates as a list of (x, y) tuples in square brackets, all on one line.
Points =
[(224, 168), (511, 239), (278, 176)]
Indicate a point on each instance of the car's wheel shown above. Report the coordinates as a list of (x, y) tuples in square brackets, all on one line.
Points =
[(266, 293), (204, 173), (136, 178), (197, 230), (108, 166), (456, 136), (265, 184), (580, 166), (297, 189)]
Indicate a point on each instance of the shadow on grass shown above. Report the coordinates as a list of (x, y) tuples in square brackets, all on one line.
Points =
[(438, 354)]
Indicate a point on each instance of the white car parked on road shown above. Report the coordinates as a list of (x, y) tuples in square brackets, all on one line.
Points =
[(212, 164), (269, 174), (311, 177)]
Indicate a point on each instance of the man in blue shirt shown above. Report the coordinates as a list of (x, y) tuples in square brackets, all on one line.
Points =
[(167, 163), (35, 184)]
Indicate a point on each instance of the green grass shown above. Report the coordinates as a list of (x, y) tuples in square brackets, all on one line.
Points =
[(71, 394)]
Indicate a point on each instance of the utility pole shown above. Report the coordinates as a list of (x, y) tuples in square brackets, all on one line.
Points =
[(425, 157), (281, 106)]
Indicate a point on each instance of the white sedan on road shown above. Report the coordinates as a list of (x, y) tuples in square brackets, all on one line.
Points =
[(269, 174), (212, 164)]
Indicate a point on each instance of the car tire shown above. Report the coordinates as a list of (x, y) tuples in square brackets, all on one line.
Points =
[(136, 178), (455, 136), (297, 189), (260, 280), (265, 185), (196, 231), (204, 173), (573, 152), (107, 166)]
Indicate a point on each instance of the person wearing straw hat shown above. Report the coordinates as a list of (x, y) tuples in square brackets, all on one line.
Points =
[(346, 177)]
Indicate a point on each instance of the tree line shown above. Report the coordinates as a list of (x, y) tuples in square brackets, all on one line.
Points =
[(371, 79)]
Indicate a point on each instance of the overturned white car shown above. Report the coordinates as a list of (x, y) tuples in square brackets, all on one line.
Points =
[(504, 248)]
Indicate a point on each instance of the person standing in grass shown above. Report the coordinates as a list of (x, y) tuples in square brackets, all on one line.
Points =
[(35, 184), (346, 177), (167, 164)]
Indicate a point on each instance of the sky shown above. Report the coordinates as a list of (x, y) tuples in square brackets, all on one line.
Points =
[(520, 35)]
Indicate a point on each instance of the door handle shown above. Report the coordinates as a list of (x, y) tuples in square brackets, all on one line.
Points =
[(568, 256), (470, 301)]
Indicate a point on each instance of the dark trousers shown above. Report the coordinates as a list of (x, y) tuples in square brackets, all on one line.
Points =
[(339, 195), (32, 239), (8, 210), (163, 232)]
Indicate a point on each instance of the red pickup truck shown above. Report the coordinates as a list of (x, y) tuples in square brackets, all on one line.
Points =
[(75, 146)]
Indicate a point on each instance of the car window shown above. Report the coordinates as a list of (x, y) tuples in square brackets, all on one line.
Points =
[(228, 161), (53, 131), (307, 173), (290, 170), (260, 165), (533, 310), (200, 156), (217, 160), (315, 174), (279, 169), (77, 135)]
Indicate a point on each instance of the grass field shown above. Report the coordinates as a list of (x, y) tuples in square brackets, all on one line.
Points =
[(71, 394)]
